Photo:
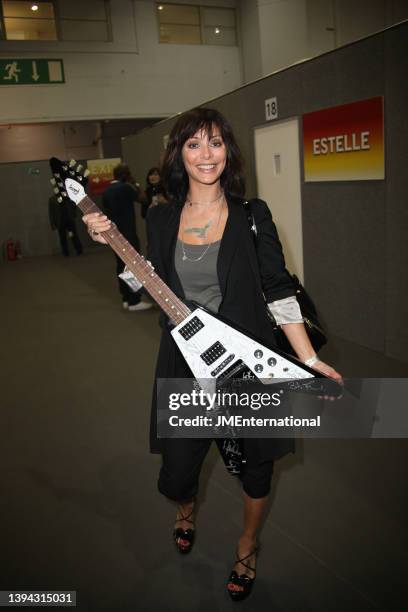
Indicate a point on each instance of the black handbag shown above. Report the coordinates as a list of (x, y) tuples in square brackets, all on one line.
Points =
[(314, 329)]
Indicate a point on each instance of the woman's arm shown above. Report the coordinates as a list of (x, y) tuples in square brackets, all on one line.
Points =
[(299, 341), (276, 281), (277, 285)]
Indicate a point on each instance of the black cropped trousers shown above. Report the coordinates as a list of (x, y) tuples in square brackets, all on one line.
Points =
[(181, 467)]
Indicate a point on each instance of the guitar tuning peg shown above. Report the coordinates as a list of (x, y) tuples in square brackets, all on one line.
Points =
[(80, 177), (65, 168), (59, 200), (86, 173), (72, 173), (79, 168), (56, 190), (64, 193), (53, 181), (72, 163), (60, 185)]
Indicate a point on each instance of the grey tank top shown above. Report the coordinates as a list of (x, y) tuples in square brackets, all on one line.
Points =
[(199, 279)]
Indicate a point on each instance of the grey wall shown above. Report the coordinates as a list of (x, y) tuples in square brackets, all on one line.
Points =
[(24, 208), (355, 233), (276, 33), (113, 132)]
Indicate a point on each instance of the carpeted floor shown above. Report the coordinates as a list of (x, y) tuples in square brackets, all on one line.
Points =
[(79, 505)]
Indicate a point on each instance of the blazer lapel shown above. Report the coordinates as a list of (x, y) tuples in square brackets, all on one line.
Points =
[(229, 243), (169, 241)]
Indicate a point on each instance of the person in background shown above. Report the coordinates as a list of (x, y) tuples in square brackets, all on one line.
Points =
[(119, 204), (62, 218), (155, 192)]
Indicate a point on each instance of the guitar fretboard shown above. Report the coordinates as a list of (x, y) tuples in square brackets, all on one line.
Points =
[(136, 263)]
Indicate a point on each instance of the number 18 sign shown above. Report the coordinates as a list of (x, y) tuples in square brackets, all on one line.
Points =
[(271, 109)]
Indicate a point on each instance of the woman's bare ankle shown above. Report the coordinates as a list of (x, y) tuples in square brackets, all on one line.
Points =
[(185, 511), (247, 541)]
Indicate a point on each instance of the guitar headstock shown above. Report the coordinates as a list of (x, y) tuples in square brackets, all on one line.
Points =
[(68, 180)]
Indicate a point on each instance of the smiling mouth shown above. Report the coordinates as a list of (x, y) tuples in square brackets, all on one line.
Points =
[(206, 167)]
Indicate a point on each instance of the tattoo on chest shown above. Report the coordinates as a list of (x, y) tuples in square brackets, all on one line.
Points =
[(199, 231)]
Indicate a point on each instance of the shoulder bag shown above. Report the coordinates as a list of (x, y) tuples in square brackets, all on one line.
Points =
[(314, 329)]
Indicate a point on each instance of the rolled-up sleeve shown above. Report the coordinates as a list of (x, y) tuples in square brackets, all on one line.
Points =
[(276, 280), (286, 311)]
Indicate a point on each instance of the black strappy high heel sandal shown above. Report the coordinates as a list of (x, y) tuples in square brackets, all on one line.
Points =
[(242, 580), (184, 534)]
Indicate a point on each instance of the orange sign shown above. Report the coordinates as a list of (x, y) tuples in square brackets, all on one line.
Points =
[(101, 174), (345, 143)]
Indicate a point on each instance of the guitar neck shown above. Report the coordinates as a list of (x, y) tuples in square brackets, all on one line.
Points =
[(175, 309)]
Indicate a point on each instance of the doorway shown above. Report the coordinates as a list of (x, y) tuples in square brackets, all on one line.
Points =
[(277, 159)]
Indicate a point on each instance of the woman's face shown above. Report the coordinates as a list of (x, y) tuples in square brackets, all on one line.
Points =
[(154, 178), (205, 157)]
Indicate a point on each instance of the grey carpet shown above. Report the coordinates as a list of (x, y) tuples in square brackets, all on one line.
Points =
[(79, 505)]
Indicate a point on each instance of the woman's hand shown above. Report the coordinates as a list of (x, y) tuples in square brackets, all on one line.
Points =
[(97, 223), (324, 368)]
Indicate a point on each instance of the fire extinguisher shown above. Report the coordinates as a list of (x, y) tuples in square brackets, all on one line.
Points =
[(10, 250), (17, 250)]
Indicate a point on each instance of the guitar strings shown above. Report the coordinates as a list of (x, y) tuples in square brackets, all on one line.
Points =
[(170, 303)]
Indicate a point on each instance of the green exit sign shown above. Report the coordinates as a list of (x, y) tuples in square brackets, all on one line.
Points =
[(31, 72)]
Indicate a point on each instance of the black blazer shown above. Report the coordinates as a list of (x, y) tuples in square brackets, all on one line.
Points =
[(246, 274)]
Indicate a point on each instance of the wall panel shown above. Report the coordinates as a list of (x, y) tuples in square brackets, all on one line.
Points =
[(355, 233)]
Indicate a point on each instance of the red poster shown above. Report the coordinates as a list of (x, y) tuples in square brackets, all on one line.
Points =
[(101, 174), (345, 143)]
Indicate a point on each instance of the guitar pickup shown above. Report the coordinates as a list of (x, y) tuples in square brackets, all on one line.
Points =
[(191, 328), (213, 353), (222, 365)]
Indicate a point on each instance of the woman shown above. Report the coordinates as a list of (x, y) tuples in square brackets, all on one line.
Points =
[(201, 246), (155, 192)]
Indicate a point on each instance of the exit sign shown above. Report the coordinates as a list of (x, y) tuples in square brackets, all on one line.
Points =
[(31, 72)]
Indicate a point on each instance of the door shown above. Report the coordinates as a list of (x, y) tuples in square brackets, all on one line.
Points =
[(278, 177)]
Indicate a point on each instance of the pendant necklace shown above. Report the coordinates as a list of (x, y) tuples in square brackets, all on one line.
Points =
[(185, 257)]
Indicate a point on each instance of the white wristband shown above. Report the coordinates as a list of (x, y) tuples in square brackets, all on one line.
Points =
[(311, 361)]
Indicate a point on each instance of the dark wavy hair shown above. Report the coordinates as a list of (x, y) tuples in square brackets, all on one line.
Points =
[(152, 171), (173, 173)]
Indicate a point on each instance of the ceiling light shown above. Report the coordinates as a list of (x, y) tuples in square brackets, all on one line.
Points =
[(217, 30), (34, 7), (160, 7)]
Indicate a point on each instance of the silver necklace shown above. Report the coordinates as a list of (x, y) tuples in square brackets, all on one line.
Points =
[(184, 258), (202, 203)]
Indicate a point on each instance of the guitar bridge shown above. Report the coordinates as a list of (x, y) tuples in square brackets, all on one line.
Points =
[(238, 370)]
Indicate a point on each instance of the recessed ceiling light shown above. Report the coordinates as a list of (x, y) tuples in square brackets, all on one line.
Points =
[(34, 7), (217, 30), (160, 7)]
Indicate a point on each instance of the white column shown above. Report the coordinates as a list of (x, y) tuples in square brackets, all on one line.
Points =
[(250, 40), (283, 33)]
